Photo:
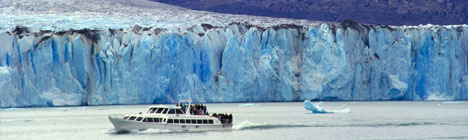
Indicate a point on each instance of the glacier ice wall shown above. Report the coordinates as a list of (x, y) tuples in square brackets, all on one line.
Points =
[(234, 63)]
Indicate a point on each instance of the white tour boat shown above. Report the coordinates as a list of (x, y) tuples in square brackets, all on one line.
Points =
[(173, 118)]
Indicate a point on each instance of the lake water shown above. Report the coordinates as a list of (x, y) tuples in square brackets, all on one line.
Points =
[(289, 120)]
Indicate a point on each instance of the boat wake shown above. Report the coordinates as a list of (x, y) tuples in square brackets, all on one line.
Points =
[(249, 125), (114, 131), (147, 131)]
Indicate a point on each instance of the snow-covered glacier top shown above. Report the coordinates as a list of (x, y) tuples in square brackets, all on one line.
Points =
[(60, 15)]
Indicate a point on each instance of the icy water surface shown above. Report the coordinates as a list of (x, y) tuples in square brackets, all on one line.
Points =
[(367, 120)]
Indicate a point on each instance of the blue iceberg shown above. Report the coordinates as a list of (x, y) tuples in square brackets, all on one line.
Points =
[(318, 109)]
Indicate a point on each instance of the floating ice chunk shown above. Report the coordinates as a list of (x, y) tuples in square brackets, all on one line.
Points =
[(436, 96), (248, 105), (453, 102), (60, 98), (10, 109), (70, 108), (317, 108)]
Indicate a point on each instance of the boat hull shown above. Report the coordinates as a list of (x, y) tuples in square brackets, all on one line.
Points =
[(127, 125)]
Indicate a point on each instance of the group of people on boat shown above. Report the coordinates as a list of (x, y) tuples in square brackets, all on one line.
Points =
[(200, 109), (224, 118), (196, 109)]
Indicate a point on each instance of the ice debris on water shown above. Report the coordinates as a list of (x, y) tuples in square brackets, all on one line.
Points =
[(248, 105), (317, 108)]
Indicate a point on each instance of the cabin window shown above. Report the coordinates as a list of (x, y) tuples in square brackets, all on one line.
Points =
[(178, 111), (170, 121), (176, 120), (164, 111), (139, 119), (171, 111), (210, 121), (126, 117), (182, 121), (205, 121), (188, 121), (199, 121), (159, 110), (156, 119), (144, 120), (149, 119), (132, 118), (153, 110)]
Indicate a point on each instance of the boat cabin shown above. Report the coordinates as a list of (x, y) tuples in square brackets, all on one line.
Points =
[(170, 120), (165, 110)]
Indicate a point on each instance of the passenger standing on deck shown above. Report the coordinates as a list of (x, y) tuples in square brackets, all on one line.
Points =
[(183, 108), (219, 118), (227, 119), (192, 109), (202, 109)]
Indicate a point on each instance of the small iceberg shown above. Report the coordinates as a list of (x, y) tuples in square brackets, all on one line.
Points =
[(453, 102), (10, 109), (317, 108), (436, 96), (248, 105)]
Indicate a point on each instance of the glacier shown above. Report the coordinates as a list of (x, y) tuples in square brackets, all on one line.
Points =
[(235, 63), (104, 59)]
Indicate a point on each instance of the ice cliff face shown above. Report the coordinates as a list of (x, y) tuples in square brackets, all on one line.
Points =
[(237, 62)]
